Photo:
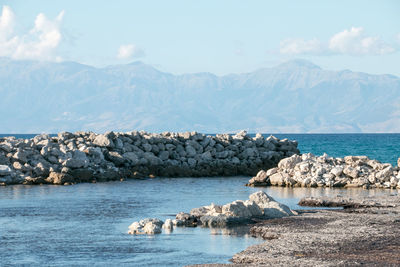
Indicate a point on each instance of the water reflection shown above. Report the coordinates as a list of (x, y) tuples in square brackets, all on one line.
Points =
[(242, 231)]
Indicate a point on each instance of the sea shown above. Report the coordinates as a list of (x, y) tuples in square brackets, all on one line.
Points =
[(87, 224)]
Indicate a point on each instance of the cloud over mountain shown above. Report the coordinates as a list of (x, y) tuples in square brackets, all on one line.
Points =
[(347, 42)]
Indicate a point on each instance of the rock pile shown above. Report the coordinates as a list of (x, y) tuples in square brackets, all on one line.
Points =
[(308, 170), (258, 206), (86, 156)]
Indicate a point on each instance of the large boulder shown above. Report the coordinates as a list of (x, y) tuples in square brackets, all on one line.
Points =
[(270, 208), (236, 209)]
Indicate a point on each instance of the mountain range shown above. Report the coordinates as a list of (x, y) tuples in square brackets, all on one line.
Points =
[(294, 97)]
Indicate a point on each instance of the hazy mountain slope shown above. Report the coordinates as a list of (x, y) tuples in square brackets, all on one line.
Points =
[(296, 96)]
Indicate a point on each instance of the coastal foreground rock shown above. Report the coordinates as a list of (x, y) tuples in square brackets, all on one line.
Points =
[(365, 236), (88, 157), (309, 170), (258, 206)]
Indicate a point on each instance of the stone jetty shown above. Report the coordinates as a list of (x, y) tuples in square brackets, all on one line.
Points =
[(309, 170), (89, 157), (259, 206)]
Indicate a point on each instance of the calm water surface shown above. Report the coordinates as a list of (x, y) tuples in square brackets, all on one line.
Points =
[(86, 224)]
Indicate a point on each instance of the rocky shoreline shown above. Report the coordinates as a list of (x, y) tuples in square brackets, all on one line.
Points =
[(365, 233), (89, 157), (308, 170)]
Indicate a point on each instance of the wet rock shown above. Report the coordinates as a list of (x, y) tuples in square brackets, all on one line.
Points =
[(168, 224), (149, 226), (82, 175), (59, 178)]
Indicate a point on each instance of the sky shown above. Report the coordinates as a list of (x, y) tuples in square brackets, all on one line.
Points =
[(221, 37)]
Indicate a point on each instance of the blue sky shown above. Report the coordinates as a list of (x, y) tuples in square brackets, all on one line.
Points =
[(205, 36)]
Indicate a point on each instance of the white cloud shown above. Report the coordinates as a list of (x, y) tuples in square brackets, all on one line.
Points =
[(129, 51), (39, 43), (347, 42), (7, 21), (301, 46), (355, 42)]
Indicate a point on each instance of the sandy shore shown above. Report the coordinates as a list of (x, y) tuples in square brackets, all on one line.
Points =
[(366, 232)]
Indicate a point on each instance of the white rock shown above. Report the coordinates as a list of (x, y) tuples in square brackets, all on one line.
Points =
[(151, 228), (277, 179), (337, 171), (148, 226), (272, 171), (102, 140), (269, 206), (168, 224), (236, 209), (289, 163)]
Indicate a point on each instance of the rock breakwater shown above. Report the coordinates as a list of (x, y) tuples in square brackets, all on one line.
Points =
[(309, 170), (89, 157)]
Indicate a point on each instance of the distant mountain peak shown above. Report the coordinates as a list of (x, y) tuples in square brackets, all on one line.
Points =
[(298, 63), (137, 63)]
